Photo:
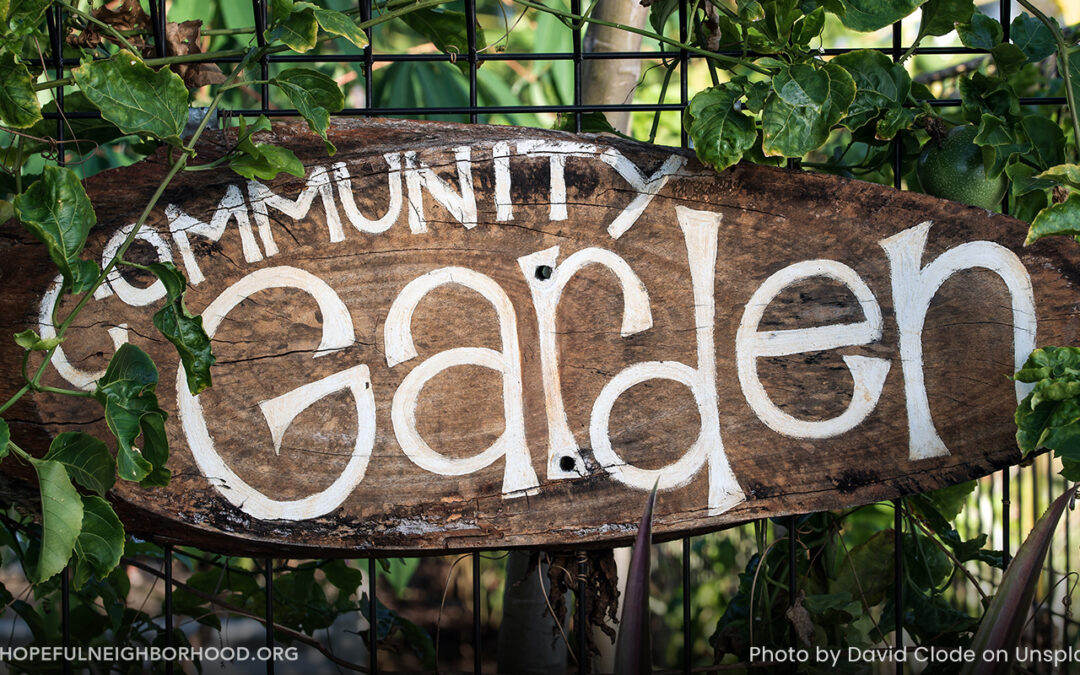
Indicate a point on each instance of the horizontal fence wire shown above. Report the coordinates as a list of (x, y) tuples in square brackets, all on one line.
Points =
[(1019, 491)]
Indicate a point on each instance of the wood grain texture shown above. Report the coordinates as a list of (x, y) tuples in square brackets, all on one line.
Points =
[(767, 220)]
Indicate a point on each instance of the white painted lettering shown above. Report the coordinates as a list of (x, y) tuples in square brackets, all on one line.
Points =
[(519, 478), (231, 206), (750, 345), (913, 289), (546, 281), (263, 199), (701, 232), (133, 295), (337, 333), (420, 177), (348, 203)]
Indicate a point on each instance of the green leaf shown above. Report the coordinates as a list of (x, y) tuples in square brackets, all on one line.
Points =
[(981, 94), (1023, 179), (183, 329), (23, 16), (56, 210), (336, 23), (866, 16), (100, 543), (135, 97), (981, 32), (61, 518), (262, 160), (809, 27), (5, 438), (881, 85), (342, 576), (805, 104), (721, 133), (1047, 141), (591, 123), (940, 17), (131, 408), (18, 103), (1008, 58), (29, 339), (993, 132), (315, 96), (867, 570), (1061, 218), (1065, 174), (266, 161), (298, 29), (1033, 37), (949, 501), (86, 459), (926, 564), (446, 30)]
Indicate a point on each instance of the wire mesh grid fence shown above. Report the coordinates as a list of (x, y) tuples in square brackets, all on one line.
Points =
[(1006, 504)]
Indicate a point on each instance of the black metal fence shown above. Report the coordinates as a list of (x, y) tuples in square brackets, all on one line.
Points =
[(1009, 502)]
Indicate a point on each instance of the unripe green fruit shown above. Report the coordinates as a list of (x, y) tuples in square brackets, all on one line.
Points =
[(955, 170)]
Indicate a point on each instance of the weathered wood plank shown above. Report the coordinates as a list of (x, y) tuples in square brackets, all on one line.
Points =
[(417, 279)]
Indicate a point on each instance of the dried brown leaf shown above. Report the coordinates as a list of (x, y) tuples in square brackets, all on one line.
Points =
[(800, 619), (123, 15), (182, 39)]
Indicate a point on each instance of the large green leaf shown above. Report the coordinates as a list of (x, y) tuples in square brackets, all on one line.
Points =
[(805, 104), (18, 103), (100, 543), (941, 16), (5, 438), (870, 15), (315, 96), (61, 518), (56, 210), (881, 85), (183, 329), (86, 459), (135, 97), (131, 408), (721, 133), (1061, 218), (1033, 37)]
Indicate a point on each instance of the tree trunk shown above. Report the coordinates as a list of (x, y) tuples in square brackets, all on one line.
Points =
[(613, 80)]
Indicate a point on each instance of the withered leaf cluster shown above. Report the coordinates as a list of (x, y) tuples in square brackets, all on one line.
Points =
[(180, 39)]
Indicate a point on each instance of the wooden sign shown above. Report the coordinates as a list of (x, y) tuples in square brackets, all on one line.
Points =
[(456, 337)]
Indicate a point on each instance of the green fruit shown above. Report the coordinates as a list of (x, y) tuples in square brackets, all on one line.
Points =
[(955, 170)]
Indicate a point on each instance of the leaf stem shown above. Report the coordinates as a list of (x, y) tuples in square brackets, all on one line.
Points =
[(645, 33), (1063, 64)]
